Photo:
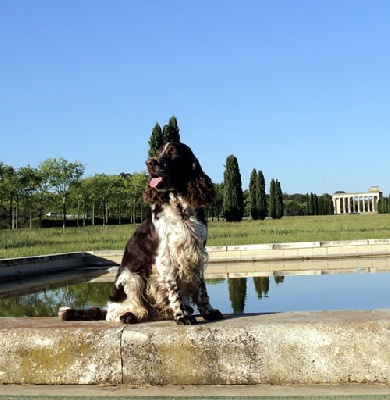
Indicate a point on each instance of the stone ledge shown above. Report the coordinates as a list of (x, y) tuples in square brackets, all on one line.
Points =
[(217, 254), (287, 348)]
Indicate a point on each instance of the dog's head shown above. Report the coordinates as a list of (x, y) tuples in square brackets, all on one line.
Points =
[(176, 169)]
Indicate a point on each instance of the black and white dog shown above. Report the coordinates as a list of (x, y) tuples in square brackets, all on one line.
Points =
[(162, 271)]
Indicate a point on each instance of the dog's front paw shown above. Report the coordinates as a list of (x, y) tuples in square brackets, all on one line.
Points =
[(214, 315), (189, 309), (128, 318), (186, 320)]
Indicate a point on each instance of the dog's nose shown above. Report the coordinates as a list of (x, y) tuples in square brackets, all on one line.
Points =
[(151, 162), (156, 165)]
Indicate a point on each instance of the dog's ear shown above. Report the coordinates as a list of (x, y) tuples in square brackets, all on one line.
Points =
[(200, 188), (196, 168), (153, 196)]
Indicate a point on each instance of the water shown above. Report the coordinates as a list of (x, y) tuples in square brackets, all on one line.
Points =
[(360, 291), (302, 293)]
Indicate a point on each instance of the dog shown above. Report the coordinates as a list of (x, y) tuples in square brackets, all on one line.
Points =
[(161, 276)]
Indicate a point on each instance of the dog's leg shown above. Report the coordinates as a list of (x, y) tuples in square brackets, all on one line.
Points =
[(181, 313), (203, 303), (126, 304), (168, 280)]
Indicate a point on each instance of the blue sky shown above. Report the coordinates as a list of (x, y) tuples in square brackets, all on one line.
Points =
[(297, 89)]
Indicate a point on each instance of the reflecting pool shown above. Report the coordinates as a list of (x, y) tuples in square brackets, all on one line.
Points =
[(359, 291)]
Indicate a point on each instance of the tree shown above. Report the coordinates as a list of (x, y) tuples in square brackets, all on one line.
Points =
[(253, 195), (156, 140), (276, 208), (383, 205), (29, 183), (171, 132), (8, 184), (272, 199), (59, 174), (279, 209), (233, 198), (261, 196), (217, 207), (135, 186)]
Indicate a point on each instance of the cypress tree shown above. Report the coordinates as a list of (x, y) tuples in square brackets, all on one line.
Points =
[(321, 205), (307, 204), (381, 206), (311, 208), (272, 199), (315, 204), (155, 141), (171, 132), (233, 197), (279, 209), (261, 196), (253, 195)]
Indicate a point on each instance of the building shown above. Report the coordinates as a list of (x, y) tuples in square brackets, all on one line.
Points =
[(353, 203)]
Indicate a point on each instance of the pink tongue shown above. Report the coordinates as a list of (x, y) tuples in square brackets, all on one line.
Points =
[(154, 182)]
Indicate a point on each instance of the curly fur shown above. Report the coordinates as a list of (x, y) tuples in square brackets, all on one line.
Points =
[(162, 270), (161, 274)]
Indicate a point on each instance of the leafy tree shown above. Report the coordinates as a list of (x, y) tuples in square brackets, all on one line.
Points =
[(171, 132), (233, 199), (8, 185), (156, 140), (253, 195), (217, 207), (135, 186), (29, 183), (59, 174), (90, 193)]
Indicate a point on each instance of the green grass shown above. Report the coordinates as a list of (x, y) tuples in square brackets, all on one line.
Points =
[(26, 242)]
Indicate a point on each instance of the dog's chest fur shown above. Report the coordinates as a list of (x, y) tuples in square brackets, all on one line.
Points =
[(182, 236)]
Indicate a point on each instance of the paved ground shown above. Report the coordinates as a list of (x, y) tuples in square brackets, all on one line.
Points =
[(318, 392)]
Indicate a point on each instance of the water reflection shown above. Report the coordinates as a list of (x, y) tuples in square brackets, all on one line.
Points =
[(362, 291), (45, 303), (238, 290)]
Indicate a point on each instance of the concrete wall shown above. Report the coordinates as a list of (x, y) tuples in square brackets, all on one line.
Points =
[(287, 348), (11, 268)]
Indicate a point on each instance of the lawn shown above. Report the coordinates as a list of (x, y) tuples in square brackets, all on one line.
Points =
[(29, 242)]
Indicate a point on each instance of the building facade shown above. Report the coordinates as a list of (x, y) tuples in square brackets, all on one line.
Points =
[(353, 203)]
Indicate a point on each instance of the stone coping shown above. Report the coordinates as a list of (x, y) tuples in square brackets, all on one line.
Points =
[(271, 257), (329, 347)]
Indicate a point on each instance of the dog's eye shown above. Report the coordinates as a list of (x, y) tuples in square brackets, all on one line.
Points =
[(171, 152)]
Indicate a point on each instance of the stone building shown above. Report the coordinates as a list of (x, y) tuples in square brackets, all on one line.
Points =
[(360, 202)]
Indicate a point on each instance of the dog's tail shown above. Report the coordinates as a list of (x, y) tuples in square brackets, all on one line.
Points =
[(89, 314)]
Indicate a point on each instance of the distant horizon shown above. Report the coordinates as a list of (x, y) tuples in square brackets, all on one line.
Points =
[(243, 187)]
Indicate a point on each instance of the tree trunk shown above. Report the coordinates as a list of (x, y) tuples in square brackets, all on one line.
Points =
[(64, 212)]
